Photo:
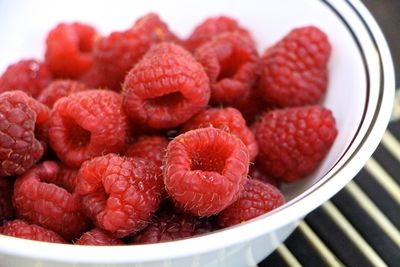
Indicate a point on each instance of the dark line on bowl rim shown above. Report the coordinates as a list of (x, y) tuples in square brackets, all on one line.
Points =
[(380, 96)]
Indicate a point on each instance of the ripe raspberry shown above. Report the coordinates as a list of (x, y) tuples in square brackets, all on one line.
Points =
[(205, 170), (19, 116), (29, 76), (256, 199), (86, 125), (257, 174), (117, 53), (294, 71), (212, 27), (119, 194), (21, 229), (294, 141), (6, 207), (170, 227), (227, 119), (231, 63), (38, 200), (69, 49), (58, 89), (149, 148), (166, 87), (98, 237)]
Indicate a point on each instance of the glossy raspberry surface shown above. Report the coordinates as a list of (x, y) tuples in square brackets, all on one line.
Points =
[(98, 237), (60, 88)]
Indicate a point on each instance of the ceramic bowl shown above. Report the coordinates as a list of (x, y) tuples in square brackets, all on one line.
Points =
[(360, 94)]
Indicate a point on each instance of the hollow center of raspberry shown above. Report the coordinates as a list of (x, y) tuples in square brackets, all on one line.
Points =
[(230, 66), (171, 99), (209, 159), (76, 135)]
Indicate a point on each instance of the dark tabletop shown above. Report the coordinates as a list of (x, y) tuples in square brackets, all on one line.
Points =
[(360, 225)]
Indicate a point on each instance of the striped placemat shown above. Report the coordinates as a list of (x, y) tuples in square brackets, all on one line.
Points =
[(360, 225)]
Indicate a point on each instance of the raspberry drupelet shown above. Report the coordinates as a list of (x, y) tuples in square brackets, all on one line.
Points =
[(20, 117), (87, 124), (212, 27), (173, 226), (293, 141), (39, 199), (120, 194), (232, 64), (29, 76), (116, 54), (69, 49), (205, 170), (98, 237), (294, 71), (257, 198), (60, 88), (227, 119), (166, 88), (22, 229)]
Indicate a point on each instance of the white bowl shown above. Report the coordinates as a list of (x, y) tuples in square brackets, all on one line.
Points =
[(360, 94)]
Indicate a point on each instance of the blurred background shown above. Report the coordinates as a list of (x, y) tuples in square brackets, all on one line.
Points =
[(360, 225)]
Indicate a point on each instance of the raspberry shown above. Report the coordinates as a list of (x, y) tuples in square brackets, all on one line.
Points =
[(170, 227), (294, 71), (212, 27), (293, 141), (231, 63), (69, 49), (149, 148), (87, 124), (38, 200), (21, 229), (6, 207), (228, 119), (204, 170), (29, 76), (119, 194), (257, 174), (166, 87), (117, 53), (257, 198), (58, 89), (98, 237), (19, 116)]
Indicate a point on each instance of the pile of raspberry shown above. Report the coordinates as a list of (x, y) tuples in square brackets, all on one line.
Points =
[(140, 136)]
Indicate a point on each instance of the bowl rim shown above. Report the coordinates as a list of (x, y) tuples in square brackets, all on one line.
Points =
[(365, 141)]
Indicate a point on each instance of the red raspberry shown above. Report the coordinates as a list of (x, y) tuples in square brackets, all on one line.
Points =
[(257, 174), (257, 198), (58, 89), (98, 237), (38, 200), (119, 194), (87, 124), (212, 27), (166, 87), (149, 148), (69, 49), (231, 63), (204, 170), (6, 207), (294, 71), (294, 141), (228, 119), (115, 54), (170, 227), (19, 115), (29, 76), (21, 229)]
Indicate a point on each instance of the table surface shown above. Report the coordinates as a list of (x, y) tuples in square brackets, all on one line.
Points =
[(360, 225)]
